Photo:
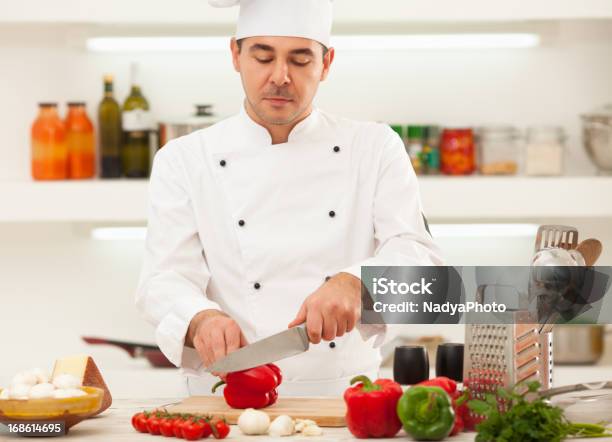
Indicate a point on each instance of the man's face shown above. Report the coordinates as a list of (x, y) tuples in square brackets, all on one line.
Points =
[(280, 75)]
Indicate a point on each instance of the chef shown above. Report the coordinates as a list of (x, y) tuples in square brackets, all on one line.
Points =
[(263, 221)]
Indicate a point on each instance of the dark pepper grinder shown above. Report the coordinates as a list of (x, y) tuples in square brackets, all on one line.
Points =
[(449, 361), (410, 364)]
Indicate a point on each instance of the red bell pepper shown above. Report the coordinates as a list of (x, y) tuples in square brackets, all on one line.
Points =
[(443, 382), (252, 388), (371, 407), (459, 405)]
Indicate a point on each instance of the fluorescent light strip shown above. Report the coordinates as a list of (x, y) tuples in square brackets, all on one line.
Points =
[(436, 41), (119, 233), (483, 230), (342, 42)]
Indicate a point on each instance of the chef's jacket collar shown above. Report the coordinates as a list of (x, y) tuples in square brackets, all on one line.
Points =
[(302, 132)]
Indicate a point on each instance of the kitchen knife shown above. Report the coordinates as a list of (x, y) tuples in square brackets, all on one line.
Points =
[(282, 345)]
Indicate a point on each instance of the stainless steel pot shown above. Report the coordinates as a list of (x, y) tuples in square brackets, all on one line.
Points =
[(578, 344), (597, 138), (203, 118)]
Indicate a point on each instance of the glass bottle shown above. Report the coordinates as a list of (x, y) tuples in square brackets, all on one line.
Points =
[(49, 147), (109, 122), (137, 124), (81, 142)]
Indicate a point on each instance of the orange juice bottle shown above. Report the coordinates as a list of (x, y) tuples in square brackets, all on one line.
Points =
[(49, 148), (81, 142)]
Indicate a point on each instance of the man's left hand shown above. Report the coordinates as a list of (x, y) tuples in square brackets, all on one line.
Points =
[(332, 310)]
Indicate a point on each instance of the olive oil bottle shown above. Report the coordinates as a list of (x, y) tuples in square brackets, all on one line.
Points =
[(109, 123), (137, 124)]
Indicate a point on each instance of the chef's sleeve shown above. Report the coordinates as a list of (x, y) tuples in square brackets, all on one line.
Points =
[(174, 277), (400, 231)]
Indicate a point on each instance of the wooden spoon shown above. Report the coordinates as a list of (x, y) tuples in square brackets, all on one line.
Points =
[(590, 249)]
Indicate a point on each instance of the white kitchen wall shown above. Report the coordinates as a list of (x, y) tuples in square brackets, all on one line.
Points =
[(570, 74)]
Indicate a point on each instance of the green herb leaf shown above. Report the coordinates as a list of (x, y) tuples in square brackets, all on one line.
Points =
[(480, 407)]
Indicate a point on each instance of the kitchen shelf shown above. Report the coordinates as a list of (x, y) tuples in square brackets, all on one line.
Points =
[(444, 198), (346, 11)]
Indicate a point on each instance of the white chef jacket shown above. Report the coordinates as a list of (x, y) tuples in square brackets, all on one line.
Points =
[(251, 228)]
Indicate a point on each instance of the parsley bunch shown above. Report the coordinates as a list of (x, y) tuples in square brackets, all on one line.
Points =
[(526, 421)]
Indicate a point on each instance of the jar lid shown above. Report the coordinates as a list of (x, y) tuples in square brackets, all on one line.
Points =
[(415, 131), (603, 114), (398, 129), (76, 103), (497, 132), (204, 110), (47, 104), (556, 133)]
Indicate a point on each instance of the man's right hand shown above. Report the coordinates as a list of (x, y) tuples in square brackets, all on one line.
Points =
[(214, 334)]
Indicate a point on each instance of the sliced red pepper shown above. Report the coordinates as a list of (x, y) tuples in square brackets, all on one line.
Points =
[(260, 379), (279, 375), (237, 398)]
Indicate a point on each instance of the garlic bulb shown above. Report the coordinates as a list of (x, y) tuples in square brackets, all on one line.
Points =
[(300, 424), (312, 430), (282, 426), (253, 422)]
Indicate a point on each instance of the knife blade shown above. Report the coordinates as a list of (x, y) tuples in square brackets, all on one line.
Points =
[(282, 345)]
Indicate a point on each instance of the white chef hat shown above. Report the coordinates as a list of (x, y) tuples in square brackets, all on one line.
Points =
[(289, 18)]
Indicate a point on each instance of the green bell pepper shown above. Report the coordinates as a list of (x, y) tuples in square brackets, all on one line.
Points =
[(426, 413)]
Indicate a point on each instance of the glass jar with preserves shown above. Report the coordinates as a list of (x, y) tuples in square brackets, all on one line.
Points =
[(81, 142), (498, 150), (49, 147), (545, 150), (457, 152)]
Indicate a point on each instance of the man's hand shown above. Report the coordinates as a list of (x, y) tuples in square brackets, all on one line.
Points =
[(214, 334), (332, 310)]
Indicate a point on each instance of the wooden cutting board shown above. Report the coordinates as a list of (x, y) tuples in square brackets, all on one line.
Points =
[(326, 412)]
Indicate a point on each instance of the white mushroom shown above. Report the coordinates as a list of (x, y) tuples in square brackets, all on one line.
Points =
[(25, 378), (19, 391), (283, 425), (40, 391), (252, 422), (42, 377), (66, 381)]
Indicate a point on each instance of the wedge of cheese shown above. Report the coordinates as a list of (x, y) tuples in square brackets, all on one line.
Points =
[(86, 370)]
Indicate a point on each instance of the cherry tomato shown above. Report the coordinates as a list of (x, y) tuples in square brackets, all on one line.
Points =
[(220, 429), (139, 422), (207, 429), (177, 427), (193, 430), (166, 426), (153, 424)]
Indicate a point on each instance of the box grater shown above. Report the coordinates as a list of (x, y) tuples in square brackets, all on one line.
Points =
[(520, 350)]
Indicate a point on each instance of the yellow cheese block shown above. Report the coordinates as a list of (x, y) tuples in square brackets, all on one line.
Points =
[(85, 369)]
